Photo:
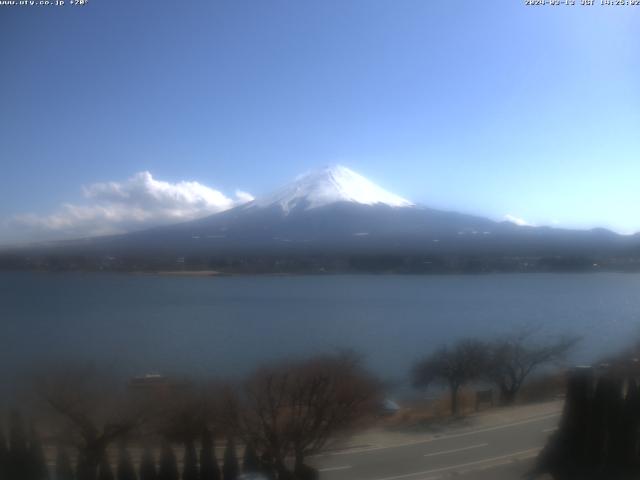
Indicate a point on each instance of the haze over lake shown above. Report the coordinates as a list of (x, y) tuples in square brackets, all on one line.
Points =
[(228, 325)]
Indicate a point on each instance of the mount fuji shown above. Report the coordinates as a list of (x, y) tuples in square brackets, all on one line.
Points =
[(335, 214), (330, 210)]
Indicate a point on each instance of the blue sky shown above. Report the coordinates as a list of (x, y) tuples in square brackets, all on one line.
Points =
[(490, 107)]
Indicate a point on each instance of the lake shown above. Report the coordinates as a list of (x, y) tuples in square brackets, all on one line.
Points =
[(227, 325)]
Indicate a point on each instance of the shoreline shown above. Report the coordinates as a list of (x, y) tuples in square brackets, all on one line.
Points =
[(186, 273), (217, 273)]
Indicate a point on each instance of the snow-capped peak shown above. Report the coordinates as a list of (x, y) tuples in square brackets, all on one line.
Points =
[(330, 185)]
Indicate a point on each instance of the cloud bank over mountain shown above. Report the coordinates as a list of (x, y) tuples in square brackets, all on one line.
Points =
[(141, 201)]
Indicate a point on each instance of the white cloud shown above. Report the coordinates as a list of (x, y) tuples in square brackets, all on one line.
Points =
[(518, 221), (138, 202)]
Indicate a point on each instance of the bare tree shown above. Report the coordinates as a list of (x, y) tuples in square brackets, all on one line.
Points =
[(452, 366), (510, 360), (93, 412), (295, 409)]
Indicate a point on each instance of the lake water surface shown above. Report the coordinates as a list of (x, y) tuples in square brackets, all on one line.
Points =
[(227, 325)]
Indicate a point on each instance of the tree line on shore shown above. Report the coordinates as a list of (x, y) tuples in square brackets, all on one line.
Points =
[(427, 263)]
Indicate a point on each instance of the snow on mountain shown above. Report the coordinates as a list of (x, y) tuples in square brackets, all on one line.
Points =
[(326, 186)]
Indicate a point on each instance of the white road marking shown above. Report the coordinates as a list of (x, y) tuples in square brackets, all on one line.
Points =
[(443, 437), (462, 449), (498, 427), (334, 469), (531, 453), (461, 465)]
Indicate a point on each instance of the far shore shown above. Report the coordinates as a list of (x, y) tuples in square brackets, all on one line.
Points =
[(204, 273), (188, 273), (267, 273)]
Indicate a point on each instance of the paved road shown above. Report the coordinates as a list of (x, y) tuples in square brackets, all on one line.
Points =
[(500, 452)]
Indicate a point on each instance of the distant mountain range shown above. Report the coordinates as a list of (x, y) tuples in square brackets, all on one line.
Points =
[(336, 220)]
